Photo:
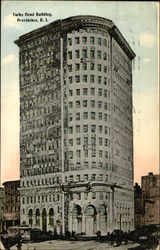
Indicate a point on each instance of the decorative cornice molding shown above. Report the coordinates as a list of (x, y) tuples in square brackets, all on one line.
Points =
[(75, 23)]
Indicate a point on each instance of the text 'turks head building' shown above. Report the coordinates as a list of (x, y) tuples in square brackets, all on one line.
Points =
[(76, 132)]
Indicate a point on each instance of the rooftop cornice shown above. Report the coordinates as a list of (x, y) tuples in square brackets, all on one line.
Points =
[(76, 23)]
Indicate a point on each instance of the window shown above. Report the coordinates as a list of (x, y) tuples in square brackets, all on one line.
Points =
[(78, 177), (70, 104), (105, 56), (77, 66), (105, 69), (84, 39), (106, 154), (99, 104), (100, 141), (93, 115), (78, 196), (93, 128), (99, 54), (93, 152), (105, 129), (70, 41), (105, 80), (92, 66), (70, 92), (92, 53), (84, 53), (85, 153), (92, 40), (92, 103), (77, 104), (78, 128), (77, 78), (85, 103), (77, 53), (78, 116), (93, 195), (70, 79), (85, 91), (71, 142), (93, 140), (85, 177), (92, 91), (100, 129), (71, 178), (78, 91), (105, 93), (105, 106), (70, 130), (105, 42), (99, 68), (85, 115), (71, 154), (76, 40), (84, 65), (70, 68), (69, 54), (105, 117), (99, 79), (100, 164), (100, 153), (85, 140), (100, 92), (84, 78), (100, 116), (93, 164), (78, 153), (93, 177), (85, 128), (92, 78), (99, 41)]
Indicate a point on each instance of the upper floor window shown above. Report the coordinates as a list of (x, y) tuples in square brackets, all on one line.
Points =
[(77, 41), (84, 39), (99, 41), (92, 40)]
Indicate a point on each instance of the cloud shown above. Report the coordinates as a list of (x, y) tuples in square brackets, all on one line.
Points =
[(9, 59), (146, 60), (147, 39), (10, 21)]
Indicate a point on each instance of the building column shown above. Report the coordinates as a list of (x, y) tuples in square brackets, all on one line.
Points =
[(98, 222), (70, 222), (40, 220), (83, 223)]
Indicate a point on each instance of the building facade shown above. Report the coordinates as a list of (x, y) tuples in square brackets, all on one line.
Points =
[(1, 209), (147, 200), (11, 203), (76, 136)]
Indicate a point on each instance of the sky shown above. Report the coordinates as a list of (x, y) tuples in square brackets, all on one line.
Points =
[(137, 21)]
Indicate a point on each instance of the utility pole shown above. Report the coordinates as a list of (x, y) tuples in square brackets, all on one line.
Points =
[(62, 129)]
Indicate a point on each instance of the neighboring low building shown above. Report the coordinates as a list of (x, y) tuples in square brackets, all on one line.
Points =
[(11, 203), (147, 200), (1, 208)]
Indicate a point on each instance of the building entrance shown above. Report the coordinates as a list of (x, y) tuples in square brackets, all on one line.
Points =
[(44, 220)]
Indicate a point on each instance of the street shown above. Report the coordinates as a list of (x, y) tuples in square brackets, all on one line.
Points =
[(71, 245)]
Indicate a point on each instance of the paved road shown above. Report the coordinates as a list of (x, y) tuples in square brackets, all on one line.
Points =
[(71, 245)]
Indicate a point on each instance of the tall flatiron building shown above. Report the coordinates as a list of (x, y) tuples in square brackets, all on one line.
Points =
[(76, 129)]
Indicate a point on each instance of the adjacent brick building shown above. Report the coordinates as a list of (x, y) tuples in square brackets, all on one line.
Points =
[(1, 209), (11, 203), (76, 138), (147, 200)]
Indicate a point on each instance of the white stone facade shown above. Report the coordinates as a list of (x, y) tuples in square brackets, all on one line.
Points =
[(95, 64)]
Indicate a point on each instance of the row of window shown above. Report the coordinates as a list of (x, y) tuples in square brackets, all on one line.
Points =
[(84, 54), (70, 178), (93, 154), (91, 79), (85, 66), (84, 40), (84, 91), (93, 104), (85, 142), (86, 116), (101, 129)]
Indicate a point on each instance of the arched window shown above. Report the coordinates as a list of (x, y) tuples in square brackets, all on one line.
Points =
[(76, 210), (37, 217), (51, 218), (102, 210), (90, 210), (30, 216)]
